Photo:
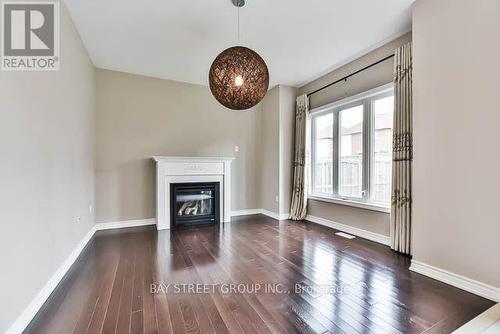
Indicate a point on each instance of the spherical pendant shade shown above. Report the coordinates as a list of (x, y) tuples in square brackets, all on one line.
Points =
[(238, 78)]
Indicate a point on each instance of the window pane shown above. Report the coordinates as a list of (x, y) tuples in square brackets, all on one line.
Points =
[(351, 152), (382, 160), (323, 157)]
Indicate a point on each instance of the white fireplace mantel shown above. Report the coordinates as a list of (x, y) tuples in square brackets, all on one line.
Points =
[(191, 169)]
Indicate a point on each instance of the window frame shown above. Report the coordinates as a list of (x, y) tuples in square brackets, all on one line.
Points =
[(366, 99)]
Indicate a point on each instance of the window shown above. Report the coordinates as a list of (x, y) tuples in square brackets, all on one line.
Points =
[(323, 157), (351, 149), (382, 149), (351, 152)]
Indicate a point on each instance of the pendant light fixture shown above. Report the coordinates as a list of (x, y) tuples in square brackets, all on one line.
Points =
[(238, 77)]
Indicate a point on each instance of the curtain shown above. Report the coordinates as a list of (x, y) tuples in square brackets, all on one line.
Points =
[(402, 154), (299, 191)]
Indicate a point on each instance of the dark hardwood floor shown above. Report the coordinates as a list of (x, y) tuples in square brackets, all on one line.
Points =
[(348, 286)]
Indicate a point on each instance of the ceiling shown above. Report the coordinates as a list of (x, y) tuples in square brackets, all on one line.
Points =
[(178, 39)]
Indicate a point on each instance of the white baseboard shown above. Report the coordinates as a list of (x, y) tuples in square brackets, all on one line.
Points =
[(482, 323), (274, 215), (284, 216), (459, 281), (23, 320), (381, 239), (125, 224), (31, 310), (247, 212)]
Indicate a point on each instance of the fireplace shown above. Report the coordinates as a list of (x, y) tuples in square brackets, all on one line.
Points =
[(191, 171), (194, 203)]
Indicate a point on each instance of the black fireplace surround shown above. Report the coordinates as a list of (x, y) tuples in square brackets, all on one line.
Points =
[(193, 204)]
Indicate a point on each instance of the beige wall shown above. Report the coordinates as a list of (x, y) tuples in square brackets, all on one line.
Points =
[(139, 117), (373, 221), (456, 56), (46, 170), (275, 143), (376, 76), (268, 137), (286, 143)]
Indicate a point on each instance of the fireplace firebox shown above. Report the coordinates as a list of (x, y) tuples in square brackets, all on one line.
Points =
[(194, 204)]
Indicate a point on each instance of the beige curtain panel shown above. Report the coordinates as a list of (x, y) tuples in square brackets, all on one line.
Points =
[(402, 151), (298, 209)]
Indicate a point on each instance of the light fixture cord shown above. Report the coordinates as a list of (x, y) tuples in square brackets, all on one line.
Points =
[(238, 26)]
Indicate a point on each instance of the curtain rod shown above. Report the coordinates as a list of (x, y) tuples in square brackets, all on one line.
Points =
[(350, 75)]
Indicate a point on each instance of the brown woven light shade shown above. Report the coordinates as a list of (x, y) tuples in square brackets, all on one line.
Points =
[(238, 78)]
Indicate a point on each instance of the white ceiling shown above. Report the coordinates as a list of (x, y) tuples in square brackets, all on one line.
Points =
[(178, 39)]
